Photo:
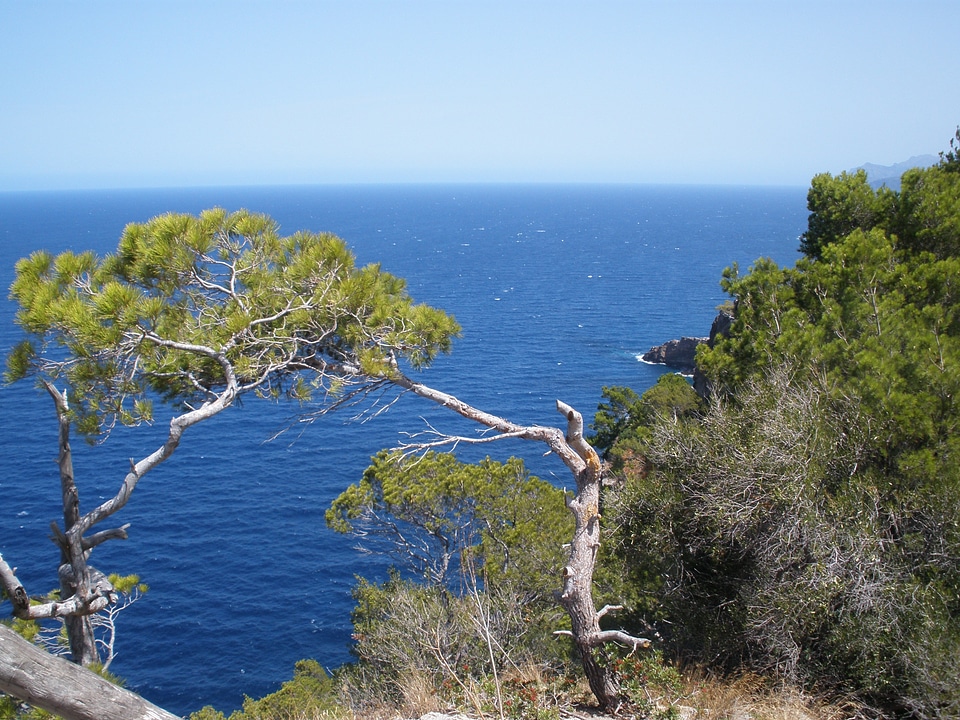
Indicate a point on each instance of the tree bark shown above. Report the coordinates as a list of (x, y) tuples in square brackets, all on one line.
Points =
[(74, 574), (60, 687), (577, 594)]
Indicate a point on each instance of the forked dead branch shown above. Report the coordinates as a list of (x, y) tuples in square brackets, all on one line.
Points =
[(576, 595)]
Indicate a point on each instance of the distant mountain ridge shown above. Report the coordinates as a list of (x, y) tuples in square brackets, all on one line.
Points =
[(889, 175)]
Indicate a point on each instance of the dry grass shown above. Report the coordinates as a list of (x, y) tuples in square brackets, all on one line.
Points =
[(419, 695), (703, 697), (750, 697)]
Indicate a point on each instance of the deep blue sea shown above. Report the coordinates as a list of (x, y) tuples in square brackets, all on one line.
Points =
[(558, 290)]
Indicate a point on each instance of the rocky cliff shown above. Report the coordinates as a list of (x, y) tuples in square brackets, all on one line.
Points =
[(677, 354), (681, 355)]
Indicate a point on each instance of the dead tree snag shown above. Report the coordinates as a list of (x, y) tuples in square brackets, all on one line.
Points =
[(576, 595)]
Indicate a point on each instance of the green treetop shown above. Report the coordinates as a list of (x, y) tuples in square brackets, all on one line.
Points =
[(433, 510), (194, 308)]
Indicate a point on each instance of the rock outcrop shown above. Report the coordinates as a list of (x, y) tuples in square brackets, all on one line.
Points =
[(677, 354), (681, 354)]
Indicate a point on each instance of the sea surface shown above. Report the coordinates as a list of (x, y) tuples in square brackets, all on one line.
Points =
[(558, 289)]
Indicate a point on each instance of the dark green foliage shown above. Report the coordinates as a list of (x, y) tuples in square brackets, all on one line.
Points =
[(624, 425), (805, 522), (923, 216), (770, 538), (618, 414), (433, 510), (928, 210), (626, 416), (868, 320), (838, 206)]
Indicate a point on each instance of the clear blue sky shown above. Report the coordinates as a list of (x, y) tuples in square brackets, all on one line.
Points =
[(161, 93)]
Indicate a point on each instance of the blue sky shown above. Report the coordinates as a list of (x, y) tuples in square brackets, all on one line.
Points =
[(164, 93)]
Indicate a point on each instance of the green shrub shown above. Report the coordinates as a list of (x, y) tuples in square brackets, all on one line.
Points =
[(310, 695), (650, 685)]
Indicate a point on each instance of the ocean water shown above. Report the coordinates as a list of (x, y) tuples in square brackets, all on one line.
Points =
[(558, 290)]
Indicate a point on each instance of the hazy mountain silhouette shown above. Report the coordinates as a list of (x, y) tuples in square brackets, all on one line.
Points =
[(889, 175)]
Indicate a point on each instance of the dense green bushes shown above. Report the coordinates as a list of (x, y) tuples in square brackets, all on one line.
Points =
[(805, 522)]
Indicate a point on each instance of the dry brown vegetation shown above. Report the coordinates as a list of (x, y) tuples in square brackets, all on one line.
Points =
[(751, 697), (701, 696)]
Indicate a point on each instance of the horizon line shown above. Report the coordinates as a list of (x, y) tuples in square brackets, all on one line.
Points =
[(393, 184)]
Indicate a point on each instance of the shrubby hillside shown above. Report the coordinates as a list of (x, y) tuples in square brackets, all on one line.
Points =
[(803, 520)]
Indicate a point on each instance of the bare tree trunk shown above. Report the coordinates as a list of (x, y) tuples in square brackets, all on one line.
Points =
[(83, 644), (74, 574), (577, 594), (65, 689)]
